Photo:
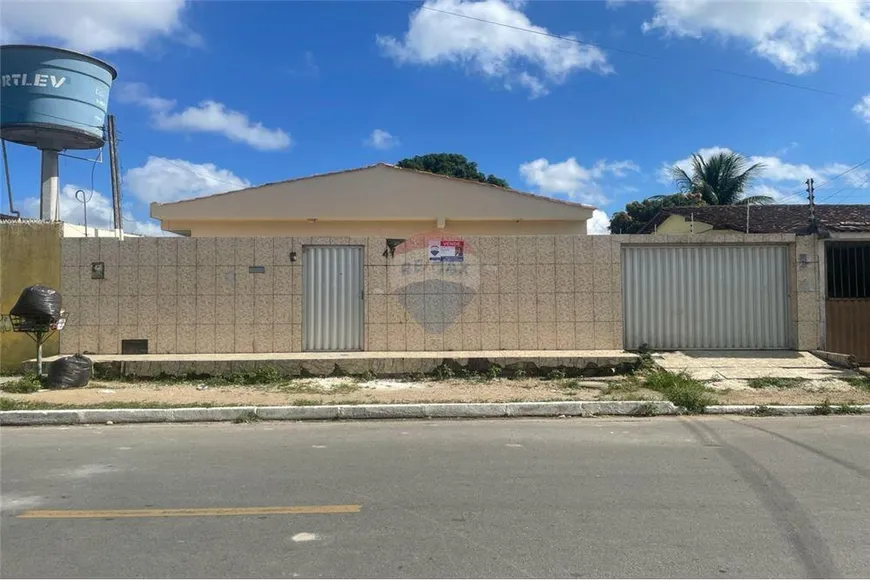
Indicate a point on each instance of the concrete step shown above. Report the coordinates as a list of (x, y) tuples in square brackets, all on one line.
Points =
[(380, 364)]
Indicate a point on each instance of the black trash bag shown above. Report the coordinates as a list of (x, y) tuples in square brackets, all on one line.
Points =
[(39, 304), (69, 372)]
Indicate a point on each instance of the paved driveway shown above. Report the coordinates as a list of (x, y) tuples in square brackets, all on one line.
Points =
[(708, 365)]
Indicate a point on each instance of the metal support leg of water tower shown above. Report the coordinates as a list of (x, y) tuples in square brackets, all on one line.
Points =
[(48, 200)]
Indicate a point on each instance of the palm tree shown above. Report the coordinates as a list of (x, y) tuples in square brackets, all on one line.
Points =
[(721, 179)]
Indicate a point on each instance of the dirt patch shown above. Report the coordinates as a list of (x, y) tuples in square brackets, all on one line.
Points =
[(794, 397), (342, 390), (318, 392)]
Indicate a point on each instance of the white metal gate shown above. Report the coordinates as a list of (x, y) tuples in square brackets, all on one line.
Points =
[(332, 298), (685, 297)]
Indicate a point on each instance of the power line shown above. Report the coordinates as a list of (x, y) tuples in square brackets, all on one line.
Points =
[(855, 188), (624, 50), (800, 193)]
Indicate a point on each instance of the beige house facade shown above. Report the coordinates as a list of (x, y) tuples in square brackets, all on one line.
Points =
[(299, 294), (377, 200)]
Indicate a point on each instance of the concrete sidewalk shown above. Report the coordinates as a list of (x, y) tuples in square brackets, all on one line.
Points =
[(722, 364)]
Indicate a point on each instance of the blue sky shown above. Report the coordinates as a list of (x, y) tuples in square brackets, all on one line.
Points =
[(217, 95)]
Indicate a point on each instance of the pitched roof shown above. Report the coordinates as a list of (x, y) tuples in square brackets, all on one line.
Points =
[(771, 219), (389, 166)]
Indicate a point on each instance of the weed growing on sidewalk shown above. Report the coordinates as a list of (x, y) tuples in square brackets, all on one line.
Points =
[(823, 409), (847, 410), (247, 417), (859, 382), (680, 389), (29, 383), (762, 411), (644, 410), (777, 383), (443, 372)]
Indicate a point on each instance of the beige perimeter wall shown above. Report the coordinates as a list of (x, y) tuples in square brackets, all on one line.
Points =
[(196, 295)]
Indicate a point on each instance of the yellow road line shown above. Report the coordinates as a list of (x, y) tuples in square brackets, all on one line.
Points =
[(192, 512)]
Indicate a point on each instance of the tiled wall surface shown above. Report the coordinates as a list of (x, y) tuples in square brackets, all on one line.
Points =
[(196, 295)]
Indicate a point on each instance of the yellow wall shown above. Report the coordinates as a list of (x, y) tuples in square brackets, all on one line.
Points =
[(677, 224), (29, 254), (389, 229)]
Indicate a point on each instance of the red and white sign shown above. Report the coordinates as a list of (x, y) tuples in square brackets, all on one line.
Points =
[(446, 250)]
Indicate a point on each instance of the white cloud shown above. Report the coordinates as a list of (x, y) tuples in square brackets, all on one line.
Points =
[(214, 117), (164, 180), (791, 35), (380, 139), (207, 117), (572, 179), (532, 60), (94, 26), (862, 109), (598, 224), (138, 94), (100, 212)]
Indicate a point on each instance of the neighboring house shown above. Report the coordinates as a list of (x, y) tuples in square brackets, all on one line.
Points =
[(759, 219), (377, 200), (843, 256), (70, 230)]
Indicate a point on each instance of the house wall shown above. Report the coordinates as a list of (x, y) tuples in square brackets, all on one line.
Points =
[(78, 231), (188, 295), (196, 295), (29, 254), (373, 194), (677, 224), (388, 229)]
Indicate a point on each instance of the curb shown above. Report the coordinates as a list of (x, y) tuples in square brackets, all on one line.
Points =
[(777, 410), (402, 411), (339, 412)]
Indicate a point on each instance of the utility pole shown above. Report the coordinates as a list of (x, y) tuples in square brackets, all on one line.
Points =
[(812, 199), (116, 180)]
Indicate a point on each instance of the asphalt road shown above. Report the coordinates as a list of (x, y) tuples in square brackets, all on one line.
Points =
[(663, 497)]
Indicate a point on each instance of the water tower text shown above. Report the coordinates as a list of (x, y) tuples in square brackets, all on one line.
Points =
[(32, 80)]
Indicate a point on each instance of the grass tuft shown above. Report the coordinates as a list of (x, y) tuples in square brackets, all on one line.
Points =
[(443, 372), (247, 417), (763, 411), (680, 389), (644, 410), (859, 382), (776, 383), (846, 409), (823, 409), (29, 383)]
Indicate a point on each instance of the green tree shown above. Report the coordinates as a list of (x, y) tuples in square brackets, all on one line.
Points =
[(721, 179), (638, 213), (452, 164)]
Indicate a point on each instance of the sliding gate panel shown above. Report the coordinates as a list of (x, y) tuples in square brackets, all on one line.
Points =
[(706, 297)]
